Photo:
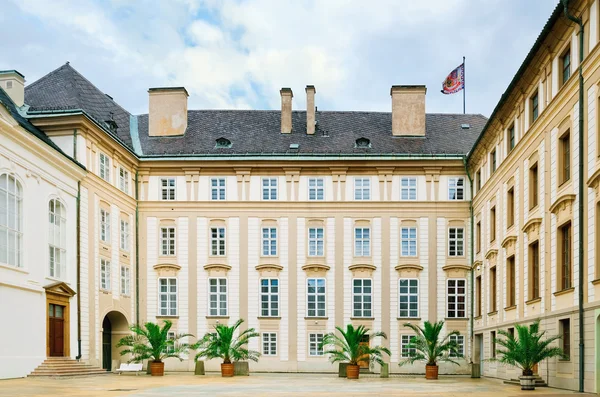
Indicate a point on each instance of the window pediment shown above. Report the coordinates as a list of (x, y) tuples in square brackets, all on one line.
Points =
[(456, 266), (269, 267), (315, 267), (217, 266), (508, 241), (594, 180), (167, 266), (491, 254), (532, 225), (409, 266), (563, 203), (362, 267), (60, 288)]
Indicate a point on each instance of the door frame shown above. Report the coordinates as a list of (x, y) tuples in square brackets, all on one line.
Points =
[(59, 294)]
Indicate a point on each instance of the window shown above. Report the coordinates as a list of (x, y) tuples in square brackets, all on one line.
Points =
[(171, 337), (123, 180), (533, 186), (104, 274), (511, 331), (217, 188), (564, 157), (269, 297), (362, 241), (456, 241), (510, 205), (534, 107), (478, 302), (9, 85), (493, 224), (511, 283), (493, 161), (362, 188), (124, 235), (565, 61), (223, 143), (167, 241), (269, 241), (167, 188), (564, 261), (405, 350), (167, 296), (269, 343), (316, 189), (361, 297), (316, 241), (125, 280), (493, 343), (457, 297), (11, 218), (363, 143), (408, 188), (460, 341), (217, 296), (217, 241), (478, 236), (104, 169), (408, 298), (315, 297), (456, 189), (534, 270), (493, 290), (478, 180), (565, 340), (57, 238), (104, 225), (315, 347), (510, 143), (269, 188), (408, 241)]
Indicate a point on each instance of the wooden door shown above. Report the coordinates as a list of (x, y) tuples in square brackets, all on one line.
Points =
[(364, 362), (56, 332)]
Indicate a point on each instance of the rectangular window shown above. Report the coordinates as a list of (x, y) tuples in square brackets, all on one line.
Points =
[(362, 295), (315, 347), (315, 297), (479, 237), (124, 235), (405, 351), (492, 224), (362, 188), (104, 226), (408, 241), (269, 344), (123, 180), (456, 241), (478, 180), (167, 296), (565, 269), (269, 188), (511, 283), (269, 297), (510, 206), (217, 297), (217, 241), (362, 241), (493, 161), (269, 241), (493, 343), (104, 274), (104, 169), (408, 188), (565, 340), (534, 270), (534, 107), (316, 241), (408, 298), (565, 61), (533, 186), (57, 236), (167, 186), (511, 139), (125, 280), (217, 188), (456, 188), (167, 241), (170, 336), (460, 341), (511, 331), (457, 297), (493, 290), (478, 296), (316, 189), (565, 157)]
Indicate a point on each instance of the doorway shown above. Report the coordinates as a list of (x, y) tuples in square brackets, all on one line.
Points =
[(114, 327), (56, 330), (58, 296), (106, 344)]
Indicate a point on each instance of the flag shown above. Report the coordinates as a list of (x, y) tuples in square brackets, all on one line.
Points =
[(455, 80)]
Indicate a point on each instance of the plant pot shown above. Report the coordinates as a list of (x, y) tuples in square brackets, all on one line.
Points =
[(157, 368), (527, 382), (352, 371), (227, 370), (431, 372)]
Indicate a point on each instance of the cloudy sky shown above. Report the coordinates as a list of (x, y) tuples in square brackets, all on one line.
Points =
[(239, 53)]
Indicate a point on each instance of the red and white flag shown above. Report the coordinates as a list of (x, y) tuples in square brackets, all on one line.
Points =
[(455, 80)]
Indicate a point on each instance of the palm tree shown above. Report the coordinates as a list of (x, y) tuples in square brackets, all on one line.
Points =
[(152, 342), (348, 347), (427, 346)]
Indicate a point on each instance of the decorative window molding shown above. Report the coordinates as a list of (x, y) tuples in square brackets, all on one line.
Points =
[(315, 267), (403, 266), (562, 203)]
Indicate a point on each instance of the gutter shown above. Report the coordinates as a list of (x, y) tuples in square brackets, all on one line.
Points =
[(301, 157), (137, 250), (472, 287), (78, 249)]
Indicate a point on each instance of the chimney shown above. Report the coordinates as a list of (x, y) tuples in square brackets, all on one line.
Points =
[(310, 109), (13, 83), (167, 111), (286, 110), (408, 110)]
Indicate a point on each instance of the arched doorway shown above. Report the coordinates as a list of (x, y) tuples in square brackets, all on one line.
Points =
[(114, 327)]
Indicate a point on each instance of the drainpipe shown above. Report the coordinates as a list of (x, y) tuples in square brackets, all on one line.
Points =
[(137, 251), (472, 258), (78, 249), (579, 22)]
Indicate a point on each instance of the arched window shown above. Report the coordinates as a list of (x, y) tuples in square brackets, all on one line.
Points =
[(57, 238), (11, 219), (363, 143)]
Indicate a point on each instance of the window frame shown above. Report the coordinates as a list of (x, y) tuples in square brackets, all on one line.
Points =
[(564, 158), (218, 241), (478, 296), (408, 294), (269, 295), (408, 185), (105, 274), (493, 161), (104, 167), (123, 180), (409, 242), (362, 192), (456, 185), (510, 206), (565, 252), (361, 241), (565, 341), (457, 241), (319, 350), (456, 295), (271, 342), (105, 226), (565, 66), (169, 294), (269, 243), (14, 259), (493, 223), (493, 289), (219, 297), (124, 235), (511, 139), (314, 189), (511, 281), (460, 340), (218, 189), (270, 188), (405, 340), (168, 243), (316, 244), (534, 269), (534, 100), (362, 312), (125, 284), (318, 311), (533, 185), (57, 244), (168, 189)]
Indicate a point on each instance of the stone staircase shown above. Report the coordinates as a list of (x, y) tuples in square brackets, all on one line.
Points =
[(57, 367), (539, 382)]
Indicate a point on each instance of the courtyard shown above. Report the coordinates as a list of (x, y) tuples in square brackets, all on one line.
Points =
[(186, 384)]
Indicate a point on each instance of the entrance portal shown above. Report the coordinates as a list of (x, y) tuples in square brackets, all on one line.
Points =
[(114, 327), (58, 296), (106, 344), (56, 330)]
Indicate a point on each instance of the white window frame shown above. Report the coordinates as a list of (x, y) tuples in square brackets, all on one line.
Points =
[(315, 349), (12, 230), (171, 295), (458, 243), (460, 340), (104, 167), (218, 241), (404, 342), (105, 226), (125, 280), (408, 188), (316, 189), (105, 274), (408, 241), (316, 244), (269, 188), (168, 241), (363, 312), (456, 188), (220, 296), (362, 188), (320, 298), (269, 243), (124, 180), (218, 189), (124, 238), (269, 297), (168, 189), (57, 236), (453, 298), (269, 344), (406, 291), (362, 244), (171, 336)]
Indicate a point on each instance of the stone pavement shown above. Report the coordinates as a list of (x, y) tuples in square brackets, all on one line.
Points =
[(186, 384)]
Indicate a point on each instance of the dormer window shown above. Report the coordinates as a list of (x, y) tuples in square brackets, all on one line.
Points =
[(363, 143), (223, 143), (112, 125)]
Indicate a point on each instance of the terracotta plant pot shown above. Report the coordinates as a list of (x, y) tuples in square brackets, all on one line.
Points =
[(352, 371), (227, 370), (157, 368), (431, 372)]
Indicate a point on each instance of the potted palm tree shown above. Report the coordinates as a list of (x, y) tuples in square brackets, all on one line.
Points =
[(348, 348), (526, 351), (152, 342), (427, 346), (223, 344)]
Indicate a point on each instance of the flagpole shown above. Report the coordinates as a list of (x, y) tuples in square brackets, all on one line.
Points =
[(464, 87)]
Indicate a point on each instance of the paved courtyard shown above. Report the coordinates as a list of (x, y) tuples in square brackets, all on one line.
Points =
[(186, 384)]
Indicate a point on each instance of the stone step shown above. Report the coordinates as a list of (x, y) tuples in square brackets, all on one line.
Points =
[(65, 367), (69, 374)]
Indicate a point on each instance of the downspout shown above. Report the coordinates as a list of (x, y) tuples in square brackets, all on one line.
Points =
[(472, 320), (137, 251), (78, 250), (581, 192)]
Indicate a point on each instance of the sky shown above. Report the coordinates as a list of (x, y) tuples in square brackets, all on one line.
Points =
[(237, 54)]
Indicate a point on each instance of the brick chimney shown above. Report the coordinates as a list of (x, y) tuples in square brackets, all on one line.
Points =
[(286, 110), (167, 114), (13, 83), (310, 109), (408, 110)]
